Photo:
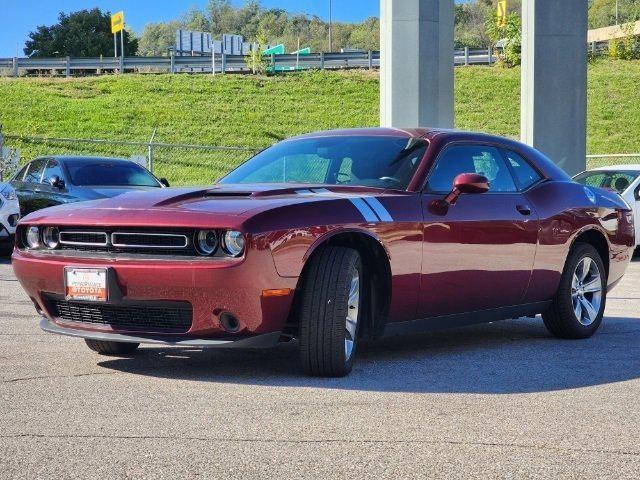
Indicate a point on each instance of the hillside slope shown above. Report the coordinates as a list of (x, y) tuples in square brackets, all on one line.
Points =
[(248, 111)]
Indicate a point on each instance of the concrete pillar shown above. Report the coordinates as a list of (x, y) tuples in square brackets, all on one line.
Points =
[(416, 64), (554, 80)]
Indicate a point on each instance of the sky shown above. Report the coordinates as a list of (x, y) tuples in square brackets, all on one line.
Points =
[(19, 17)]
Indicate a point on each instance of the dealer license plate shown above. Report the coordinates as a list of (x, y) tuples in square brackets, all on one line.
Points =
[(86, 284)]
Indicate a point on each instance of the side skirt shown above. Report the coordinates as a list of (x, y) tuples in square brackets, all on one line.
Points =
[(431, 324)]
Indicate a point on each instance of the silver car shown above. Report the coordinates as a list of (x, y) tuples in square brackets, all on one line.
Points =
[(9, 216), (624, 179)]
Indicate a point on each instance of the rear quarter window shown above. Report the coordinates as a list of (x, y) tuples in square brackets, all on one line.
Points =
[(523, 172)]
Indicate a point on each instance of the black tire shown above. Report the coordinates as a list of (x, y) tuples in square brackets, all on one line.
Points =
[(323, 312), (560, 319), (111, 348), (6, 249)]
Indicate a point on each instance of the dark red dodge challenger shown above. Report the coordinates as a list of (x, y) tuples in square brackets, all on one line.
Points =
[(328, 238)]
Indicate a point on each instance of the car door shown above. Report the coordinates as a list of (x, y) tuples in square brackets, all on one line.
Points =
[(478, 253), (28, 190), (635, 205), (51, 195)]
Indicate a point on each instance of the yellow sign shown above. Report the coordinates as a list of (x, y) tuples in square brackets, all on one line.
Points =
[(502, 13), (117, 22)]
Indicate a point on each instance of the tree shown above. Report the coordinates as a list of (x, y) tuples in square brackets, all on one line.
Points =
[(157, 38), (602, 13), (255, 60), (85, 33), (366, 35), (195, 20)]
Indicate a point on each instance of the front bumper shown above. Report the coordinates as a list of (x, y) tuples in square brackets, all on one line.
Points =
[(257, 341), (210, 287), (9, 216)]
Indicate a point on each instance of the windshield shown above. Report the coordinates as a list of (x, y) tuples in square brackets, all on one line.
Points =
[(373, 161), (614, 180), (105, 173)]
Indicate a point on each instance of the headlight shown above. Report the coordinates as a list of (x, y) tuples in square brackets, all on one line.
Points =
[(233, 243), (8, 192), (207, 242), (33, 237), (51, 237)]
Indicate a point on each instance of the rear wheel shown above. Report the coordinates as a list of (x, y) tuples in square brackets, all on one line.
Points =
[(578, 306), (111, 348), (331, 309)]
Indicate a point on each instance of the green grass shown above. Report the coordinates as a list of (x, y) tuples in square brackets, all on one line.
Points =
[(247, 111)]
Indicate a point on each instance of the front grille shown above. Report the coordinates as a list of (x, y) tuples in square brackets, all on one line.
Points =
[(83, 238), (135, 241), (148, 240), (174, 317)]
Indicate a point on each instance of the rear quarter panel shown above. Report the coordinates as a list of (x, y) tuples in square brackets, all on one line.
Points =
[(565, 213)]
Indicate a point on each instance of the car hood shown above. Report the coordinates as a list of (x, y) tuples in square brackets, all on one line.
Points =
[(221, 204)]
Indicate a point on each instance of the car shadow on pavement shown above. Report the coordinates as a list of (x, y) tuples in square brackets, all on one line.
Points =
[(515, 356)]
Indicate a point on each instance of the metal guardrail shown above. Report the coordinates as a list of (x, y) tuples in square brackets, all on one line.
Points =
[(229, 63), (223, 63)]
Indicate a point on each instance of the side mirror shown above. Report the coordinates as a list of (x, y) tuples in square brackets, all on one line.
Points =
[(56, 182), (164, 182), (467, 183)]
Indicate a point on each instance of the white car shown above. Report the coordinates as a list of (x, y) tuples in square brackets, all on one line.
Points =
[(624, 179), (9, 216)]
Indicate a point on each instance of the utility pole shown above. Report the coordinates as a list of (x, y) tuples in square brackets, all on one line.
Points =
[(330, 27), (617, 13), (122, 41)]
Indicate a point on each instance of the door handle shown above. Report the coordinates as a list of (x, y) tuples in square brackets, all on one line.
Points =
[(524, 209)]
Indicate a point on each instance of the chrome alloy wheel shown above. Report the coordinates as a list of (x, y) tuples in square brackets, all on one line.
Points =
[(351, 324), (586, 291)]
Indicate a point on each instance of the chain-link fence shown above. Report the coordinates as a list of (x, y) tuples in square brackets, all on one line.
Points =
[(595, 161), (180, 164)]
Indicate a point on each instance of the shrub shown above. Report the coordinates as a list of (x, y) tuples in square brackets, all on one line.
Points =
[(627, 47), (511, 33), (255, 60)]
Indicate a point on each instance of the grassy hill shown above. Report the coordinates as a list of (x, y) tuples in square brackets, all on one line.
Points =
[(247, 111)]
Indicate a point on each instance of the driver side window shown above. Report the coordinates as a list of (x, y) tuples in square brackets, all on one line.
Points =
[(482, 159), (52, 169)]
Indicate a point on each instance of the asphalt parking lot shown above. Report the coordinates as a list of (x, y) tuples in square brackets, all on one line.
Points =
[(499, 400)]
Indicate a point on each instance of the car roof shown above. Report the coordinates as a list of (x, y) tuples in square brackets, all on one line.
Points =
[(420, 132), (80, 158), (617, 168)]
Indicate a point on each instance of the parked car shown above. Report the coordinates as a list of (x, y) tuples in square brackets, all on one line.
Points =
[(624, 179), (55, 180), (9, 216), (329, 238)]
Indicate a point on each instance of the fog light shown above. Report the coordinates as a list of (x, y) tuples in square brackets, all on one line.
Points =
[(233, 243), (230, 323), (51, 237), (33, 237)]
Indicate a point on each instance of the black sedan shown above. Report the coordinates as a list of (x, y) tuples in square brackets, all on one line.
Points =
[(48, 181)]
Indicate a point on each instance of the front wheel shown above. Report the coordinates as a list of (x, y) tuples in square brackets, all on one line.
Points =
[(332, 300), (111, 348), (578, 306)]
